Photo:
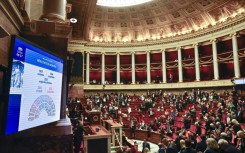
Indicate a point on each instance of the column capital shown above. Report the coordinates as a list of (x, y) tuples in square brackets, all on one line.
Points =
[(102, 53), (163, 50), (233, 34), (213, 40), (132, 52), (179, 47), (118, 53), (148, 51), (196, 44), (87, 52)]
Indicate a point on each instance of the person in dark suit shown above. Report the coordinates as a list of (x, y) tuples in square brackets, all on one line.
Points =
[(204, 109), (78, 136), (171, 148), (239, 115), (188, 148), (225, 147), (145, 145), (241, 140), (201, 146), (161, 149)]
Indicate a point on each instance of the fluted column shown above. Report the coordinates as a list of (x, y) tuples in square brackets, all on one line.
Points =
[(164, 69), (197, 66), (235, 55), (133, 67), (54, 10), (87, 68), (118, 68), (103, 68), (180, 65), (215, 59), (148, 60)]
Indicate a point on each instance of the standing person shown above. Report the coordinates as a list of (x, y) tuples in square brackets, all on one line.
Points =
[(133, 124), (145, 145), (78, 137)]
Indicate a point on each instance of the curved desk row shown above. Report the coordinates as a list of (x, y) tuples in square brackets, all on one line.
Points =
[(154, 137)]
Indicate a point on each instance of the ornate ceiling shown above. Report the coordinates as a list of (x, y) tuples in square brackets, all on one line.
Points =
[(154, 20)]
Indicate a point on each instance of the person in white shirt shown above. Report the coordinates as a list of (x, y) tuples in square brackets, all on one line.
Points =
[(129, 110)]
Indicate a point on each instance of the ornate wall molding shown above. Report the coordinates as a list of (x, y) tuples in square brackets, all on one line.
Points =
[(205, 35), (199, 84)]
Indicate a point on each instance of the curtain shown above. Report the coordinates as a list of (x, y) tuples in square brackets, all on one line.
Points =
[(171, 56), (205, 50), (156, 75), (110, 59), (206, 72), (111, 76), (126, 77), (156, 57), (125, 59), (141, 76), (95, 75), (226, 70), (188, 53), (224, 46), (174, 73), (140, 58), (189, 74), (95, 59), (241, 42), (242, 67)]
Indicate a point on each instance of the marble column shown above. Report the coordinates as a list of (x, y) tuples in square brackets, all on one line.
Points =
[(118, 68), (148, 63), (164, 68), (235, 55), (180, 65), (133, 67), (103, 68), (87, 68), (215, 59), (28, 7), (54, 10), (197, 65), (83, 67)]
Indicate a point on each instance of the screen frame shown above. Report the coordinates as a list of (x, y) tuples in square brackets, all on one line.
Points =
[(8, 80)]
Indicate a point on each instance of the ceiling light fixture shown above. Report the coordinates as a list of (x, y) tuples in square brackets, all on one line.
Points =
[(73, 20), (120, 3)]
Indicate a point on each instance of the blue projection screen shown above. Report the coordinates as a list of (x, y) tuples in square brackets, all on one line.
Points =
[(35, 87)]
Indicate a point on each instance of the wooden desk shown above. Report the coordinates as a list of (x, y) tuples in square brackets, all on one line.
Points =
[(141, 134), (100, 138), (155, 137)]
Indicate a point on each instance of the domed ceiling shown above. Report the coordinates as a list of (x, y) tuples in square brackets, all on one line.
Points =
[(149, 21)]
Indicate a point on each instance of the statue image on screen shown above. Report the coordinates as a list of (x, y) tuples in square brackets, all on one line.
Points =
[(43, 102), (17, 74)]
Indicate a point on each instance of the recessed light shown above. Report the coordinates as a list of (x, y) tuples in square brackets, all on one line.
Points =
[(73, 20)]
